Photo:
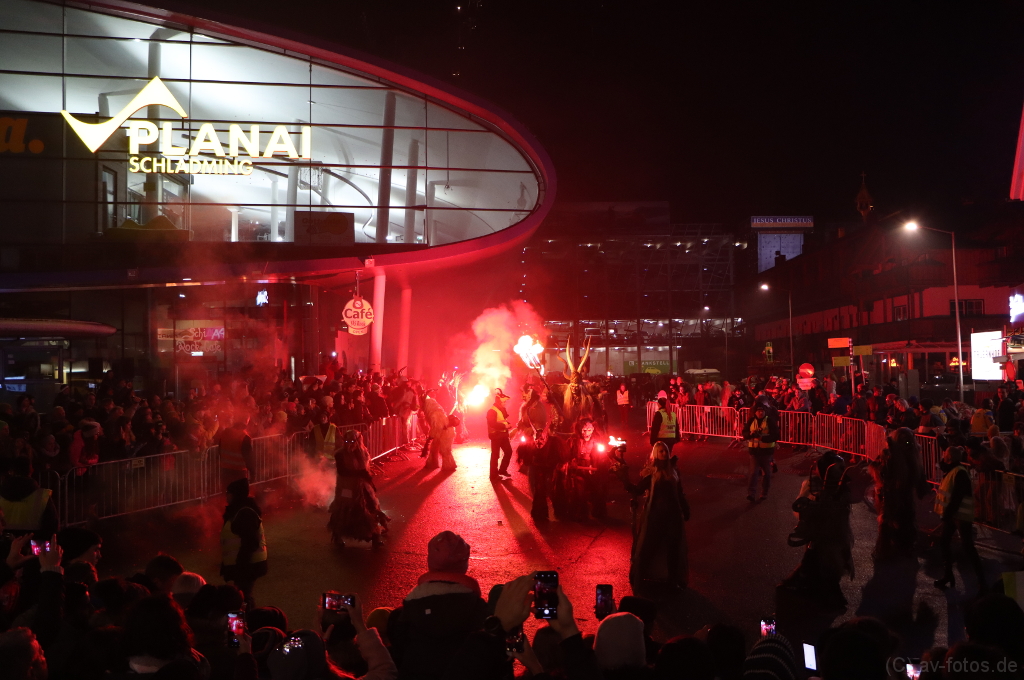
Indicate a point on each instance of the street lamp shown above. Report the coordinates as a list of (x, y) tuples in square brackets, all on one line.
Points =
[(914, 226), (792, 357)]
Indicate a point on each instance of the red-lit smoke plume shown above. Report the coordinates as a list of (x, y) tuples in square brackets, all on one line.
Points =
[(497, 332)]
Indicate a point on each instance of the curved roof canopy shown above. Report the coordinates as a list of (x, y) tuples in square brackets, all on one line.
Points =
[(332, 133)]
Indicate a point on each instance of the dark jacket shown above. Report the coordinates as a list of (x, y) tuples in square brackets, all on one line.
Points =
[(432, 625)]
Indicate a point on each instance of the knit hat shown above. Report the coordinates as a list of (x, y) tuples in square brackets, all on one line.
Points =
[(239, 488), (302, 655), (770, 659), (185, 587), (448, 552), (620, 642), (74, 541)]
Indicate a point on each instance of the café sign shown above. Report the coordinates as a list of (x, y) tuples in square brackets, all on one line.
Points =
[(205, 156), (358, 314)]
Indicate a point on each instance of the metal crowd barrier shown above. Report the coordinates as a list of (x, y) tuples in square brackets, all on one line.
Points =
[(119, 487), (846, 435)]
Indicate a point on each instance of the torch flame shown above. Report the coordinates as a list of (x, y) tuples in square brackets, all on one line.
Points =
[(615, 442), (529, 351), (477, 396)]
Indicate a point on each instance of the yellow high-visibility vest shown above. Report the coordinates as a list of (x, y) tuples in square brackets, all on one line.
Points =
[(26, 514), (944, 494), (668, 429), (761, 431)]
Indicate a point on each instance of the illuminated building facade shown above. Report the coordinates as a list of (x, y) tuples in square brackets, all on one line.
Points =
[(156, 167)]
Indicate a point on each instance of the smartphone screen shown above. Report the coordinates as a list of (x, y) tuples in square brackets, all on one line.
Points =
[(913, 671), (331, 601), (36, 548), (605, 604), (545, 595), (768, 626), (236, 626), (810, 660)]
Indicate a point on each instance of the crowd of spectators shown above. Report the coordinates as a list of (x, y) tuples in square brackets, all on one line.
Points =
[(113, 421), (59, 620)]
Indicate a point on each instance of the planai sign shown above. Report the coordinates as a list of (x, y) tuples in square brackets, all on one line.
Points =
[(206, 155)]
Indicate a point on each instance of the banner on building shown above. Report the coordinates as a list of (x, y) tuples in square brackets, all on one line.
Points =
[(653, 366)]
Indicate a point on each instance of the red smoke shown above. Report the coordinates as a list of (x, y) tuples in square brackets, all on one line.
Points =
[(497, 330)]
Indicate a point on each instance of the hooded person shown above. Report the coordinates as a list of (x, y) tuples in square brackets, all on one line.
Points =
[(355, 512), (659, 519), (439, 614), (243, 543)]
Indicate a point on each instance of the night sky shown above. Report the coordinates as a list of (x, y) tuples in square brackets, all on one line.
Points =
[(724, 109)]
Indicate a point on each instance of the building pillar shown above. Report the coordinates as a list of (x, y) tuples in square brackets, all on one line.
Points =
[(234, 223), (275, 234), (387, 159), (377, 343), (292, 193), (404, 323)]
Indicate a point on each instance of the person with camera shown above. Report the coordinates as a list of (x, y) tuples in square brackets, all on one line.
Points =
[(485, 655), (761, 433)]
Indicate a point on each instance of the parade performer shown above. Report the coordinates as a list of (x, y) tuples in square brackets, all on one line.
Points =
[(441, 436), (898, 475), (823, 507), (660, 528), (545, 455), (587, 473), (497, 432), (355, 512)]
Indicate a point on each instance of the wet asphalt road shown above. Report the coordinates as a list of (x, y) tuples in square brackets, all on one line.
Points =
[(738, 550)]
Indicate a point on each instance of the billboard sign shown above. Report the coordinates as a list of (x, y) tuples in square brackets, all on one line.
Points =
[(984, 348), (782, 223)]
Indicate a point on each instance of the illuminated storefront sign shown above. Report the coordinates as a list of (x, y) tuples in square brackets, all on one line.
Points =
[(985, 346), (195, 159), (358, 314), (1016, 307)]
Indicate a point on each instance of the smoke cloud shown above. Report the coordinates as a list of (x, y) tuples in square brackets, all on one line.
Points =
[(497, 330), (315, 481)]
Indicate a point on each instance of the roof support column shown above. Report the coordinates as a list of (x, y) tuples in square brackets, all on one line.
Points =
[(377, 344), (387, 159), (404, 323)]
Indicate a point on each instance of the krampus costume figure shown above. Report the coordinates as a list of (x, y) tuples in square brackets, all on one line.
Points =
[(441, 436), (898, 479), (572, 400), (586, 474), (355, 512), (659, 520)]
